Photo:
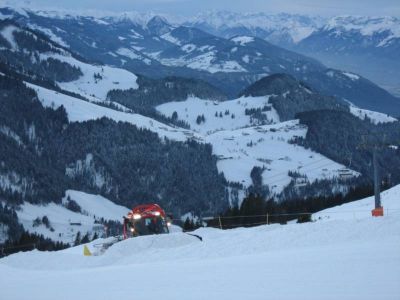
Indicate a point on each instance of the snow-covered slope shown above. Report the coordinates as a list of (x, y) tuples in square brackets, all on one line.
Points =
[(269, 147), (64, 224), (226, 115), (37, 52), (79, 110), (238, 150), (196, 50), (96, 206), (375, 117), (242, 142), (90, 86), (336, 259), (361, 209)]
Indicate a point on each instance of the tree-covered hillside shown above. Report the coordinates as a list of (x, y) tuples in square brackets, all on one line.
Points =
[(291, 96), (42, 155), (349, 140), (153, 92)]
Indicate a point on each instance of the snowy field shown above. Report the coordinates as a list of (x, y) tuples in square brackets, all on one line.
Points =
[(89, 86), (241, 145), (226, 115), (64, 223), (268, 147), (354, 257)]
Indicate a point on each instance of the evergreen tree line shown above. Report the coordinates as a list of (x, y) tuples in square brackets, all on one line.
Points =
[(30, 241), (153, 92), (291, 96), (254, 209), (26, 56), (9, 218), (349, 140)]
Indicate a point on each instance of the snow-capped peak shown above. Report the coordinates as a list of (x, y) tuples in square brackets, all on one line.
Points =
[(367, 26)]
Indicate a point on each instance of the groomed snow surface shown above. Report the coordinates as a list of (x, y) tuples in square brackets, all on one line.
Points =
[(354, 257)]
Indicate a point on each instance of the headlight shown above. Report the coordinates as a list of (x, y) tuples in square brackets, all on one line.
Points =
[(137, 216), (132, 229), (168, 223), (156, 213)]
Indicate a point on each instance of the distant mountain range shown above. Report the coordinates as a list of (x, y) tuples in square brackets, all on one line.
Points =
[(366, 45), (154, 47)]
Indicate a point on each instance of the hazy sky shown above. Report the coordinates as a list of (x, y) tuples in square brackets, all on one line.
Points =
[(192, 7)]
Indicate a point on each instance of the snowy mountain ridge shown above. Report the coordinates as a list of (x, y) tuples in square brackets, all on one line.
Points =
[(100, 16), (160, 48), (296, 26), (367, 26)]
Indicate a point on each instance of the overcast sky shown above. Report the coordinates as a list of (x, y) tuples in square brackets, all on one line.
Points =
[(192, 7)]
